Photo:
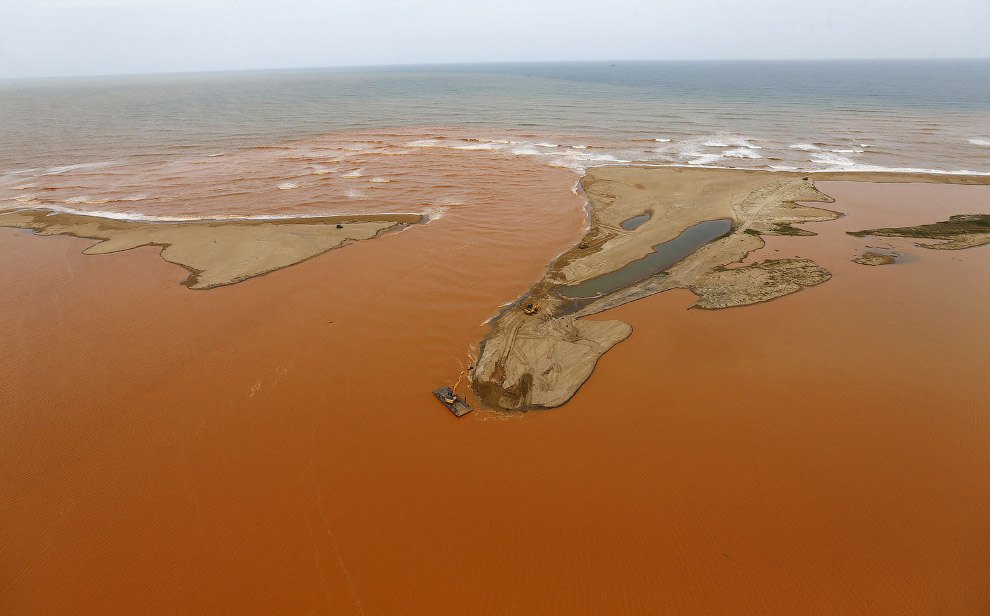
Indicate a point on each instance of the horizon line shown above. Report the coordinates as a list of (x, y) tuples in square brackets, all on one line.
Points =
[(408, 65)]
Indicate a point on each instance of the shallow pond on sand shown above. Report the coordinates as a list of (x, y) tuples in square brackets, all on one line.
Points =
[(664, 255)]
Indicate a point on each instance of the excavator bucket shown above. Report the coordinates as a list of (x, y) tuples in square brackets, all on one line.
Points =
[(458, 407)]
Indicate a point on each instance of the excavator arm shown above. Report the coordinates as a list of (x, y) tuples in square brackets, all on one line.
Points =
[(448, 395), (452, 396)]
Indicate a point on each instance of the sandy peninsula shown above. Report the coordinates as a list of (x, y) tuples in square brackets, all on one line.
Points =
[(540, 360), (215, 252)]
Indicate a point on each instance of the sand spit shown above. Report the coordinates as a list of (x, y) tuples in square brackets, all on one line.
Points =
[(220, 252), (960, 231), (541, 360)]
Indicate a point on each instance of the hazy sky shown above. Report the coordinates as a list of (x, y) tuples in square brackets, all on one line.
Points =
[(86, 37)]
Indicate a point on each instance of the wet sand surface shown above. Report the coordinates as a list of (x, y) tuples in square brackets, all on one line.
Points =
[(272, 446)]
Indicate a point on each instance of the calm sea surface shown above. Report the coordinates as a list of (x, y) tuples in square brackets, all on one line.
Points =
[(868, 115)]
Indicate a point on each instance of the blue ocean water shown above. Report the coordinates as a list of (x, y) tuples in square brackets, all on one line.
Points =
[(847, 115)]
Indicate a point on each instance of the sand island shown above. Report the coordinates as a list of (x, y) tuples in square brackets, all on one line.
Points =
[(875, 258), (216, 252), (540, 350), (960, 231)]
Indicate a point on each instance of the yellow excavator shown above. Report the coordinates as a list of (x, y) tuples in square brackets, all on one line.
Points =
[(448, 396), (532, 308)]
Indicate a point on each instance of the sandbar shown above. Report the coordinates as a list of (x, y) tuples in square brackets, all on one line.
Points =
[(541, 360), (215, 252), (875, 258), (960, 231)]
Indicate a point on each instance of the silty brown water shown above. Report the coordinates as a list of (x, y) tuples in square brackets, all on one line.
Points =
[(273, 446)]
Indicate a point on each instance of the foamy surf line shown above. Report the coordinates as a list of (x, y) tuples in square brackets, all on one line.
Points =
[(826, 158), (786, 169), (430, 214)]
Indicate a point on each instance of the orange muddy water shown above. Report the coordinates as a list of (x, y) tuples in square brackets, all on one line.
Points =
[(272, 446)]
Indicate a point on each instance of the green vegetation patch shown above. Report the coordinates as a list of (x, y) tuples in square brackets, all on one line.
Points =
[(781, 229), (960, 224), (786, 229)]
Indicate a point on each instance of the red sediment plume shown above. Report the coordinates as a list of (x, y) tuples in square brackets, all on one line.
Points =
[(273, 446)]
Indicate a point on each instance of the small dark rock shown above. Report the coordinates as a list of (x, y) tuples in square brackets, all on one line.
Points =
[(340, 226)]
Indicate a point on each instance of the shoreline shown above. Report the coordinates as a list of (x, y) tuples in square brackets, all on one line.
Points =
[(540, 361)]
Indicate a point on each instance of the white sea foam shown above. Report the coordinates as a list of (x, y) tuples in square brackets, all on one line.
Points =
[(547, 145), (475, 146), (661, 140), (424, 143), (559, 163), (287, 186), (579, 147), (353, 174), (828, 158), (380, 180), (136, 217), (579, 161), (804, 147), (64, 168), (16, 174), (526, 150), (741, 153), (722, 140), (607, 158), (850, 151), (704, 159), (983, 142), (434, 212), (857, 168)]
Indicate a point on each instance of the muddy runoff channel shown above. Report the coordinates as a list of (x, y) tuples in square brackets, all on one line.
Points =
[(651, 229)]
